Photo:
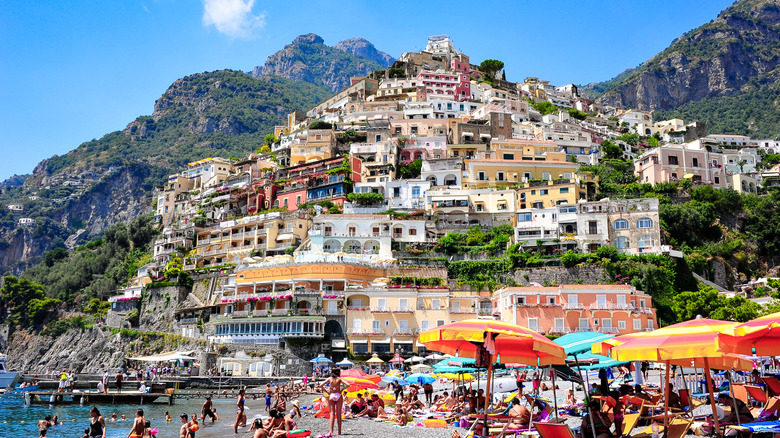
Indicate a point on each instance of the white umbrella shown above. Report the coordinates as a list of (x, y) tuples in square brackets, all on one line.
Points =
[(420, 368)]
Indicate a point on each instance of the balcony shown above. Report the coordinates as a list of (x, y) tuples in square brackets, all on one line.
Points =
[(559, 331), (485, 312), (609, 330), (188, 321), (573, 306), (380, 310), (462, 311), (406, 332), (358, 309), (358, 332), (403, 310), (611, 306)]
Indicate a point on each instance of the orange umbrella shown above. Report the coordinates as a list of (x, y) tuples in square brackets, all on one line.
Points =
[(354, 373), (358, 383), (513, 344), (686, 341), (761, 334)]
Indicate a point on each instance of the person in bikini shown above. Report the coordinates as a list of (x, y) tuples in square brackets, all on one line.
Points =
[(240, 410), (335, 399), (139, 425)]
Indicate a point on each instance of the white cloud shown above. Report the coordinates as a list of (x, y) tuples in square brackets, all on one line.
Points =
[(232, 17)]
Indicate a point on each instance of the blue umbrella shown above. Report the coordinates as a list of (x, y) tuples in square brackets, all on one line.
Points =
[(580, 342), (320, 359), (391, 379), (420, 379)]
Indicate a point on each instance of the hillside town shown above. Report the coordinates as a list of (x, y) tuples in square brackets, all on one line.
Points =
[(338, 231)]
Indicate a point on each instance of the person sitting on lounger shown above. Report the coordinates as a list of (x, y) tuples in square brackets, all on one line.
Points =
[(744, 411), (520, 415), (571, 399), (675, 403), (595, 420)]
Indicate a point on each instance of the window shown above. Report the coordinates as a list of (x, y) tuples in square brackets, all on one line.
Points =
[(352, 231), (435, 304), (695, 162), (521, 301), (645, 241), (285, 202), (533, 324), (606, 323), (439, 322), (637, 324), (650, 324), (559, 325), (601, 301), (396, 192), (526, 176), (509, 156), (621, 242), (717, 180), (584, 323), (424, 325), (550, 300), (524, 217), (544, 191), (403, 324), (620, 224), (565, 190), (642, 303), (376, 325), (481, 176), (500, 176), (382, 303), (412, 231), (672, 159), (403, 304), (572, 300), (546, 175), (593, 227), (645, 222), (621, 301), (415, 192), (298, 200), (621, 325)]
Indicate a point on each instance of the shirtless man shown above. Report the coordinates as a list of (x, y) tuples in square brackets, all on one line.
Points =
[(139, 425), (208, 410), (268, 394), (185, 427)]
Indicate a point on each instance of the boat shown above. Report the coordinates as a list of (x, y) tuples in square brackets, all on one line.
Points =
[(7, 378)]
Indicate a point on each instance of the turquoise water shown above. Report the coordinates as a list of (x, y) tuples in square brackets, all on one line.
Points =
[(18, 420)]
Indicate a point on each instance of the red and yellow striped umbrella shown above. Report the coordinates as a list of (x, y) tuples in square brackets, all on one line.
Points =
[(762, 333), (513, 344), (697, 338)]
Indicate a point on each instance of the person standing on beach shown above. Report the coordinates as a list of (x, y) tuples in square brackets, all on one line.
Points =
[(335, 399), (240, 410), (139, 425), (97, 425), (105, 381), (206, 410)]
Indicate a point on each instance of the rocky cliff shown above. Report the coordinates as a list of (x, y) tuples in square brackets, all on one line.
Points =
[(716, 59), (308, 59), (363, 48)]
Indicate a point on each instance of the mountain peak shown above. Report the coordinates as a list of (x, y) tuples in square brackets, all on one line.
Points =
[(309, 38), (309, 59)]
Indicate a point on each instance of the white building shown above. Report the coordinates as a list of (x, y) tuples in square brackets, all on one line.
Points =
[(407, 194), (365, 234), (748, 157), (446, 172)]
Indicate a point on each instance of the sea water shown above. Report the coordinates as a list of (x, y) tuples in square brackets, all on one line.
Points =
[(20, 420)]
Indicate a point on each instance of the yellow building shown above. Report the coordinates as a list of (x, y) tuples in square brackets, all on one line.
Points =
[(388, 318), (505, 172), (314, 145), (233, 240), (545, 193), (528, 150)]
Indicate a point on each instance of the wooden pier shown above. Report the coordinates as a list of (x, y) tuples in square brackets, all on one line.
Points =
[(128, 397)]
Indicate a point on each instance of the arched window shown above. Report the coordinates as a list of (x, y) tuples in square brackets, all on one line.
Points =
[(645, 241), (645, 222), (620, 224), (621, 242)]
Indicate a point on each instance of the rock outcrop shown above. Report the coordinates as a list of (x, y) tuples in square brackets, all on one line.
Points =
[(365, 49), (308, 59), (716, 59)]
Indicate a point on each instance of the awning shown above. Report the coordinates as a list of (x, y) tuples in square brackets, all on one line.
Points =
[(285, 236), (380, 341), (358, 341), (449, 198), (165, 357), (403, 341)]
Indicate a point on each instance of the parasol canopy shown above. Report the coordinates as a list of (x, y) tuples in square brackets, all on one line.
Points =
[(391, 379), (420, 379), (580, 342), (344, 363), (320, 359), (375, 359), (512, 342), (397, 359), (761, 334), (415, 359)]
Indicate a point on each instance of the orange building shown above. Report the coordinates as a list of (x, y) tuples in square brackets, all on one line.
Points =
[(567, 308)]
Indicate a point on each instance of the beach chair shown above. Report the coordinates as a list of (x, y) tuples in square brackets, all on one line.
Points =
[(689, 403), (739, 392), (554, 430), (772, 384), (629, 423), (678, 427), (757, 393)]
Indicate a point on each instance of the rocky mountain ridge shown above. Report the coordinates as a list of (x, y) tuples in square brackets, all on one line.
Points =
[(309, 59), (715, 59)]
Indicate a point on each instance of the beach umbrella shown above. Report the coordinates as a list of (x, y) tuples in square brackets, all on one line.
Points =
[(686, 341), (397, 359), (358, 383), (512, 343), (320, 359), (501, 340), (761, 334), (375, 359), (435, 356), (421, 367), (415, 359), (344, 363), (420, 379), (580, 342), (391, 379)]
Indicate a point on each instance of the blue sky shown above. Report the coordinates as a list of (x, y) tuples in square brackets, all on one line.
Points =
[(76, 70)]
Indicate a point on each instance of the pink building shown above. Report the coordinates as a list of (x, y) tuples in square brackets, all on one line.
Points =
[(673, 163), (443, 85), (567, 308)]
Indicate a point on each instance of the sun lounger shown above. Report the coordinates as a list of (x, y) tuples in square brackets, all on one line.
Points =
[(757, 393), (554, 430), (689, 403), (629, 423), (677, 429), (772, 384), (739, 392)]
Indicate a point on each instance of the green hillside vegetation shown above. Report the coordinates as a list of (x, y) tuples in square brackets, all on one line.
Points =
[(323, 60), (754, 111), (248, 108)]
